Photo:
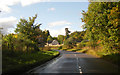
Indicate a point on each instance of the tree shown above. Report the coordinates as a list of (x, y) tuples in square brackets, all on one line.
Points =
[(49, 39), (28, 28), (8, 42), (60, 39), (114, 18), (55, 38), (70, 42), (78, 36), (101, 23), (32, 31), (47, 33)]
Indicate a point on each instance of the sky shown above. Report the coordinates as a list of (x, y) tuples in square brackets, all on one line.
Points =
[(54, 16)]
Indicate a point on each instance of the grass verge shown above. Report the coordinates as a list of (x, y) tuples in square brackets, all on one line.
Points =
[(20, 62), (74, 50), (113, 57)]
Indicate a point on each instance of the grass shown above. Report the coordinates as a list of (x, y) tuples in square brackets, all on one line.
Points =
[(20, 62), (111, 57), (54, 47), (74, 50)]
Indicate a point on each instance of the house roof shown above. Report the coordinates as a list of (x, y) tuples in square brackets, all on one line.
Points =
[(55, 42)]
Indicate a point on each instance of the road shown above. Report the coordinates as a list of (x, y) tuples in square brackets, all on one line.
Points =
[(73, 62)]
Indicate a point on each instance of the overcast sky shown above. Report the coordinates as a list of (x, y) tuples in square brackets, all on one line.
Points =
[(54, 16)]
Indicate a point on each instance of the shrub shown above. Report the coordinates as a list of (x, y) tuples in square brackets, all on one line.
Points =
[(80, 45), (60, 47), (70, 43), (54, 47), (47, 48)]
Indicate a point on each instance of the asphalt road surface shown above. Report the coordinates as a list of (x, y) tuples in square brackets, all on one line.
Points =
[(73, 62)]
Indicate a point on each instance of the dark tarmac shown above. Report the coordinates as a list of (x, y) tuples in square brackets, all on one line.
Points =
[(73, 62)]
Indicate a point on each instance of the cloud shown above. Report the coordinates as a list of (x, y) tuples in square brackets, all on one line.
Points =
[(51, 9), (59, 23), (8, 24), (60, 31), (55, 31), (5, 4), (29, 2)]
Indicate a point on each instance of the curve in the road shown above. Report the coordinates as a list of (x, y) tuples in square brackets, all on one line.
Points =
[(73, 62)]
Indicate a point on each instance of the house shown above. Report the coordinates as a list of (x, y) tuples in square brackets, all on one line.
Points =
[(55, 42)]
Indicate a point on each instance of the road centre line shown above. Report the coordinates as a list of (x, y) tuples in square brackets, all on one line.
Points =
[(78, 64)]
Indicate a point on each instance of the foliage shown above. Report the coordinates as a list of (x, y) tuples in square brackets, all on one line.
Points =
[(8, 41), (73, 50), (49, 39), (31, 34), (80, 45), (20, 62), (17, 42), (101, 23), (55, 38), (60, 48), (78, 36), (27, 34), (70, 42), (20, 50), (47, 33), (28, 28), (60, 38), (47, 48)]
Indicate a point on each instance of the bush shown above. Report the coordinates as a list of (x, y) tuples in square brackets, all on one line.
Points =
[(60, 48), (70, 43), (54, 47), (80, 45), (47, 48), (64, 47), (91, 44)]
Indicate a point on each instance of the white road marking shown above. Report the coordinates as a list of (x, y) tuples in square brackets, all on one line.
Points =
[(75, 55), (78, 65), (80, 70)]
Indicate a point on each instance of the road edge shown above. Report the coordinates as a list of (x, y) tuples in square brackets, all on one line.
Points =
[(43, 65)]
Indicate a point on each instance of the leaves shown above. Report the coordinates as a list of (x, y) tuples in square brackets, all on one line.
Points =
[(61, 38), (102, 23), (28, 36)]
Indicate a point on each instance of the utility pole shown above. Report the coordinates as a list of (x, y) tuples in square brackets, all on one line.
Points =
[(67, 33)]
